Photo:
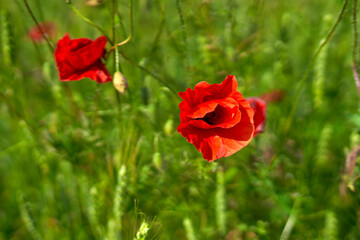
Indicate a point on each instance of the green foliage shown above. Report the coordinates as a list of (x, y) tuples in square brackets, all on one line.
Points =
[(79, 161), (6, 40), (320, 67), (142, 232), (220, 202), (330, 229), (190, 235)]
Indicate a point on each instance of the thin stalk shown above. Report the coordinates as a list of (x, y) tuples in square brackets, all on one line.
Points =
[(117, 66), (45, 36), (117, 60), (182, 21), (185, 52), (308, 68), (131, 30), (150, 73), (113, 9), (356, 77), (355, 61), (122, 26), (160, 30), (131, 25), (89, 21), (290, 223), (52, 49)]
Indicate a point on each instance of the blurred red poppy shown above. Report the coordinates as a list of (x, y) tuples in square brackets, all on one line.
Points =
[(216, 119), (47, 27), (259, 107), (81, 58), (275, 95)]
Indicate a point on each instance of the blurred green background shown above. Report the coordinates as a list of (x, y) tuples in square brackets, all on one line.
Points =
[(78, 161)]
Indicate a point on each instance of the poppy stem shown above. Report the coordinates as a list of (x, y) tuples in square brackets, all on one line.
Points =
[(52, 49), (45, 36), (290, 223), (150, 73), (308, 68), (355, 56), (159, 31), (184, 45), (131, 30), (113, 9), (356, 76), (117, 60), (117, 66), (89, 21), (182, 21)]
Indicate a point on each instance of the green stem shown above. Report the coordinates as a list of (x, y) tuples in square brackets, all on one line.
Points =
[(182, 21), (45, 36), (113, 9), (355, 61), (307, 71), (117, 60), (89, 21), (159, 31), (131, 25), (128, 39), (150, 73), (71, 99), (290, 223), (117, 66)]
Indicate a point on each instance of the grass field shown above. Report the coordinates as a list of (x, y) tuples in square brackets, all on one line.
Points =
[(78, 160)]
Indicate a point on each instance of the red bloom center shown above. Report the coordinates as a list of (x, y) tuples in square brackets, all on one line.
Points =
[(219, 115)]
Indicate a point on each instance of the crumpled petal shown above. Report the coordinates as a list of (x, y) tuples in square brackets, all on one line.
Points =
[(81, 58)]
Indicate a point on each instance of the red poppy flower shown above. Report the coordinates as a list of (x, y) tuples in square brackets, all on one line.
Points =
[(259, 107), (81, 58), (47, 27), (275, 95), (216, 118)]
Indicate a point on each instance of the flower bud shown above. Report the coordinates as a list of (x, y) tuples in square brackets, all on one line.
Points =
[(120, 82), (145, 95), (93, 3), (157, 160), (169, 127)]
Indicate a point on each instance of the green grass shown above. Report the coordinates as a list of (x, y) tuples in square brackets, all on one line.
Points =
[(77, 161)]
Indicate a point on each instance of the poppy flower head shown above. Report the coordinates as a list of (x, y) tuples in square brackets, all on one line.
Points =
[(259, 107), (81, 58), (216, 118), (275, 95)]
